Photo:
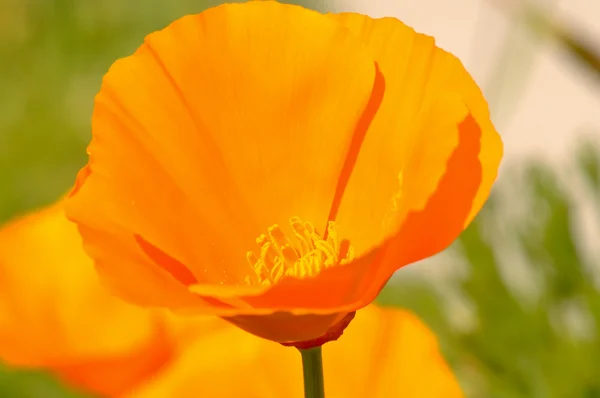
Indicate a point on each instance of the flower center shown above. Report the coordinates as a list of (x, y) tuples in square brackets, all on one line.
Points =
[(311, 254)]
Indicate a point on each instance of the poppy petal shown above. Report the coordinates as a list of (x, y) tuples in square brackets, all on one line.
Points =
[(119, 262), (394, 355), (285, 327), (417, 73), (54, 313), (221, 125), (120, 259)]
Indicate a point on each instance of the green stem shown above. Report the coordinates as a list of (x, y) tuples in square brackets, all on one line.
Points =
[(312, 367)]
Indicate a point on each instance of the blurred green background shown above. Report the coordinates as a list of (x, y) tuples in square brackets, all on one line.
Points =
[(537, 342)]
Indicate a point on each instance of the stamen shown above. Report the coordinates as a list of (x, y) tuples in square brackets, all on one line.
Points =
[(279, 257)]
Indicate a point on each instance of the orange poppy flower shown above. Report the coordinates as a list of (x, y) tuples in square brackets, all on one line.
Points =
[(385, 353), (274, 166), (54, 313)]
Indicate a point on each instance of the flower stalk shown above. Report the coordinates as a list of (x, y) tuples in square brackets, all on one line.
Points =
[(312, 368)]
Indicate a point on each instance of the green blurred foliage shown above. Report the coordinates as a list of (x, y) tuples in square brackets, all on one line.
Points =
[(53, 54), (32, 384)]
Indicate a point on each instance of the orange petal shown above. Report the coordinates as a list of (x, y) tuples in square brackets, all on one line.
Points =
[(230, 364), (383, 353), (55, 314), (219, 126), (117, 374), (285, 327), (430, 226), (417, 75), (125, 262), (387, 352), (129, 272)]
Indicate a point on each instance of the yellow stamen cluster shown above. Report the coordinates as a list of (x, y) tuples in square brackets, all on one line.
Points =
[(279, 257)]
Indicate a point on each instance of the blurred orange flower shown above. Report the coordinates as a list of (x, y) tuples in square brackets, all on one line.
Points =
[(385, 353), (55, 314), (274, 166)]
